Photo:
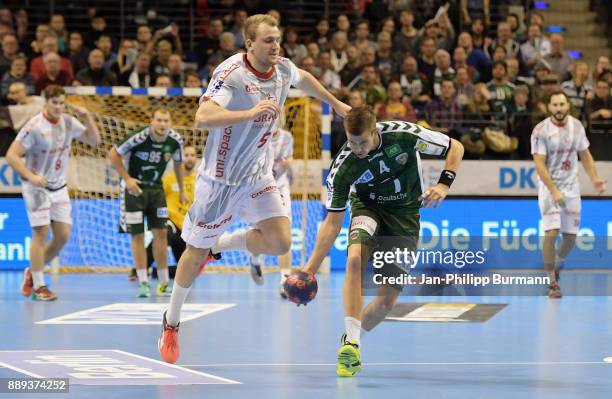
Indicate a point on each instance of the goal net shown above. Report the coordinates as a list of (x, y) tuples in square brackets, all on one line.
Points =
[(96, 243)]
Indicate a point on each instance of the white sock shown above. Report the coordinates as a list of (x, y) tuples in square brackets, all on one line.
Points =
[(142, 275), (353, 329), (179, 294), (231, 242), (39, 279), (256, 260), (163, 275)]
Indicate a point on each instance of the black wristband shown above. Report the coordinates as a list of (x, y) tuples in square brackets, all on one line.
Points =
[(447, 177)]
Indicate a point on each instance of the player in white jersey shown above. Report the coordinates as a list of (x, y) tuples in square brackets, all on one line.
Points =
[(556, 143), (282, 144), (240, 109), (45, 143)]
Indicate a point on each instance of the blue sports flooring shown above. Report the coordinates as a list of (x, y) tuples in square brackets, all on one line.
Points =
[(533, 348)]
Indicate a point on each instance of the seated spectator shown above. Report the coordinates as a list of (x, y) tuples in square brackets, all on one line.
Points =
[(77, 53), (443, 70), (464, 87), (499, 54), (578, 89), (386, 60), (10, 50), (17, 74), (35, 48), (355, 99), (321, 34), (388, 25), (53, 73), (368, 57), (126, 56), (37, 67), (58, 27), (442, 31), (209, 44), (535, 48), (159, 65), (513, 68), (602, 66), (309, 65), (175, 70), (395, 107), (476, 58), (171, 35), (504, 39), (339, 44), (105, 44), (500, 90), (329, 79), (477, 117), (426, 61), (518, 34), (95, 74), (368, 82), (295, 51), (520, 121), (192, 78), (548, 85), (344, 24), (240, 17), (406, 40), (560, 63), (362, 36), (140, 75), (97, 28), (460, 61), (599, 107), (471, 10), (353, 66), (22, 105), (443, 113), (163, 80), (415, 85), (480, 40), (313, 50)]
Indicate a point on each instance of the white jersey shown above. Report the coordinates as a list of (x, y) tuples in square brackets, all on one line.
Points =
[(47, 146), (282, 144), (561, 145), (241, 153)]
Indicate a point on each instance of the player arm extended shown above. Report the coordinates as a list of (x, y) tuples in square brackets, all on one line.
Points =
[(435, 195), (589, 167), (211, 115), (312, 87), (330, 228)]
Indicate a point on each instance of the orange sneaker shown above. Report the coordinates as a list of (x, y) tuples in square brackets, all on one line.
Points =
[(208, 259), (168, 343), (44, 294), (28, 284)]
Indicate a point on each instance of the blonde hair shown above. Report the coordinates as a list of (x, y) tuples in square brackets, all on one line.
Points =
[(253, 22)]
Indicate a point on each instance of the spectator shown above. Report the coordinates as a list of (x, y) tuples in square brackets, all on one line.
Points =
[(77, 53), (321, 35), (209, 44), (517, 32), (407, 38), (164, 50), (328, 77), (128, 50), (443, 70), (35, 50), (10, 50), (460, 61), (504, 39), (479, 38), (170, 34), (512, 66), (97, 27), (344, 24), (415, 85), (362, 36), (548, 85), (500, 90), (535, 48), (175, 70), (464, 86), (227, 46), (192, 78), (386, 59), (144, 38), (309, 65), (600, 107), (520, 121), (53, 73), (368, 56), (426, 61), (163, 80), (603, 65), (443, 113), (355, 99), (339, 44), (352, 67), (18, 94), (476, 58), (105, 44), (295, 51), (472, 9), (95, 74), (37, 67), (17, 74), (375, 12), (578, 89), (313, 50), (560, 63), (58, 27), (388, 25), (395, 107), (240, 17), (368, 82), (477, 118), (140, 75), (441, 30), (499, 54)]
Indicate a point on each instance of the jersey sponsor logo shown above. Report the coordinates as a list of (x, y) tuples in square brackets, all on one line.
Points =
[(215, 226), (133, 217), (365, 177), (265, 190), (393, 150), (421, 146), (265, 118), (223, 152), (144, 155), (364, 223), (392, 197), (402, 158), (167, 156), (218, 84), (162, 212)]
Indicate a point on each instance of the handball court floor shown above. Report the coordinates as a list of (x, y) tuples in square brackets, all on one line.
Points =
[(264, 347)]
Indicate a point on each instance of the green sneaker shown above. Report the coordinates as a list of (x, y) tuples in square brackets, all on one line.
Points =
[(164, 289), (144, 289), (349, 358)]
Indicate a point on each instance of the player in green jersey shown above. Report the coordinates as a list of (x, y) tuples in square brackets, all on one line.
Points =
[(141, 159), (378, 171)]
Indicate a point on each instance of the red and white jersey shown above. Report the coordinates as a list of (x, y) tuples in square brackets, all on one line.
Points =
[(561, 145), (47, 146), (282, 144), (242, 153)]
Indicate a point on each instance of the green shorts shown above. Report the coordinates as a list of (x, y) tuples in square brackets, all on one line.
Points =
[(379, 228), (150, 204)]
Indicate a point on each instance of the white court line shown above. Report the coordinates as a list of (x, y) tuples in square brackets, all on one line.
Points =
[(393, 364), (17, 369)]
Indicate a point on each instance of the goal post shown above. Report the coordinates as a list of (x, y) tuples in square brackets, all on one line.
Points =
[(96, 244)]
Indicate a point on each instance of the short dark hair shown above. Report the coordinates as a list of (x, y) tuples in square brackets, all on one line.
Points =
[(53, 91), (162, 109), (557, 93), (502, 63), (360, 120)]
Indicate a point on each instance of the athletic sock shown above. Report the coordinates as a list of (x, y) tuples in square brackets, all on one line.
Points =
[(163, 275), (284, 273), (353, 330), (179, 294), (231, 242), (142, 275), (39, 279)]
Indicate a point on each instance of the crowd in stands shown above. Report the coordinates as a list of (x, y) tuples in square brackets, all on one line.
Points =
[(486, 87)]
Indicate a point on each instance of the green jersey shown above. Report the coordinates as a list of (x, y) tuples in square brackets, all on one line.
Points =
[(390, 175), (145, 159), (501, 96)]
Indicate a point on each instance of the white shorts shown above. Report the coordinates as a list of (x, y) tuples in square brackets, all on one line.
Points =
[(44, 206), (285, 192), (217, 205), (554, 217)]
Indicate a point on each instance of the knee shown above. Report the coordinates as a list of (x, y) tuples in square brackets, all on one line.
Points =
[(353, 265), (194, 257), (63, 236), (280, 245), (138, 238)]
